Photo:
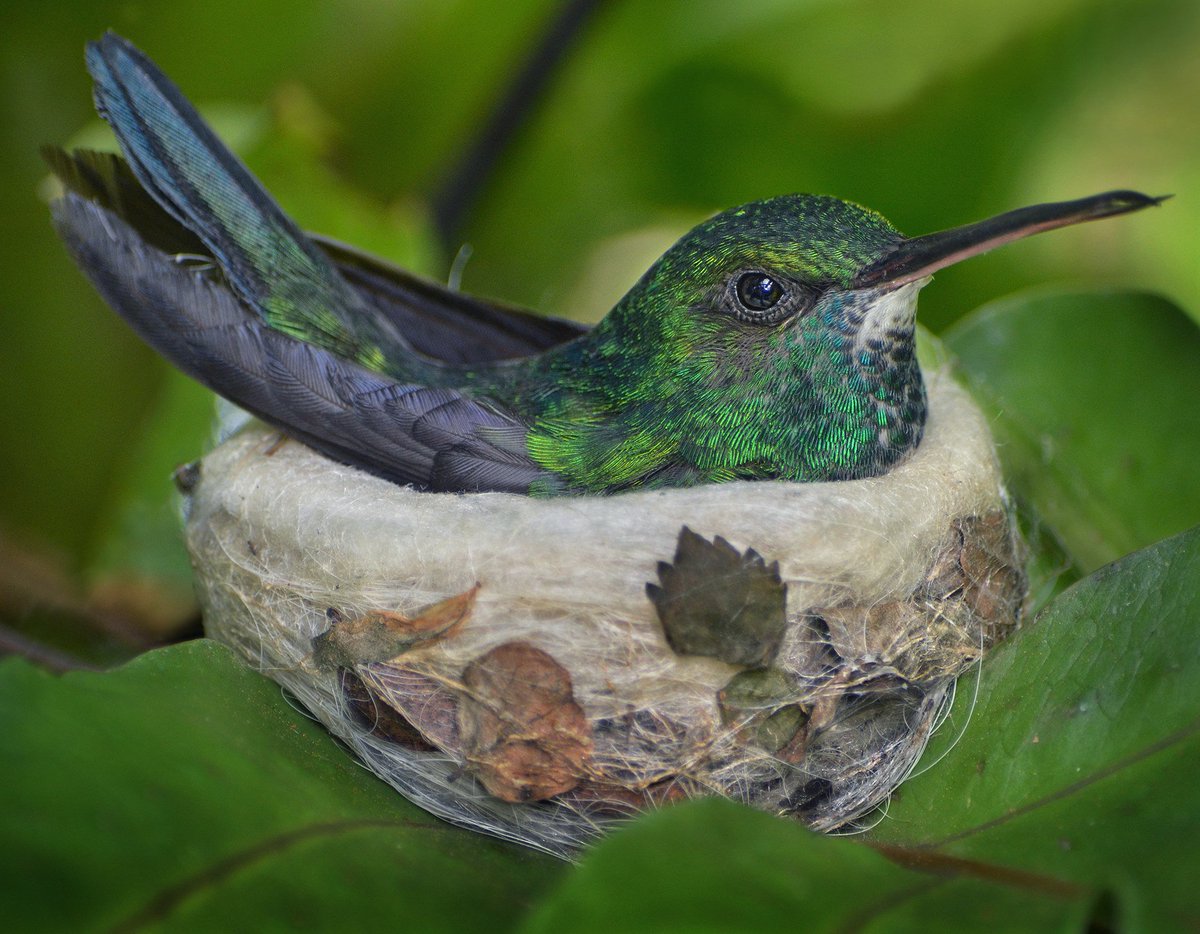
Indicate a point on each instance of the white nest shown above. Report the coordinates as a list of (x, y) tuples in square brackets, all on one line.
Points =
[(280, 535)]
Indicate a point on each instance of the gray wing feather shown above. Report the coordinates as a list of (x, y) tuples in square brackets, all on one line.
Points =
[(435, 438)]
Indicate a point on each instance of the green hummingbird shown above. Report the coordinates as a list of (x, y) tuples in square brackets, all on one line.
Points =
[(774, 341)]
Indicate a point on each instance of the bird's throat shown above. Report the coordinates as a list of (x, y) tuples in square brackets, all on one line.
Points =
[(863, 408)]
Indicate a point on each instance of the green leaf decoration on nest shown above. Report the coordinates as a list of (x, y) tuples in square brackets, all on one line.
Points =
[(717, 601)]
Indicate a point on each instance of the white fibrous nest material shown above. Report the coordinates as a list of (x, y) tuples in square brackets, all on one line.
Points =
[(539, 668)]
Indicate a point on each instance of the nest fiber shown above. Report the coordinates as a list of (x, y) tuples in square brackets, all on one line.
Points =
[(538, 668)]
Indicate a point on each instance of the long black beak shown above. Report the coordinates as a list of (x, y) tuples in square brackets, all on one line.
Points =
[(920, 256)]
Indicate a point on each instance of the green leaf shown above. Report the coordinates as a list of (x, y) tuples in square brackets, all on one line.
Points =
[(756, 700), (1071, 798), (715, 866), (183, 792), (1093, 401), (1080, 756)]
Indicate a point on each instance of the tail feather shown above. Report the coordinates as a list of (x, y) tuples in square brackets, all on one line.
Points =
[(449, 327), (436, 438), (267, 259), (105, 179), (272, 324)]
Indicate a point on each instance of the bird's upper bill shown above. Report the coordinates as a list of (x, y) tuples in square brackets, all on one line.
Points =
[(918, 257)]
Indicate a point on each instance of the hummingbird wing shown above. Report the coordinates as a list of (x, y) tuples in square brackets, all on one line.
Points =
[(271, 265), (436, 438), (271, 324), (445, 325)]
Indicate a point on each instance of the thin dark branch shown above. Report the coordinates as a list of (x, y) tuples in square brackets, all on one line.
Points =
[(463, 185), (942, 864), (14, 643)]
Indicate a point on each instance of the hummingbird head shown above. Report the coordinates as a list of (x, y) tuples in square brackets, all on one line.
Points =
[(811, 274), (772, 263), (788, 325)]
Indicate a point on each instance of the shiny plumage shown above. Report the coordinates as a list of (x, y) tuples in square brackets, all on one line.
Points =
[(774, 341)]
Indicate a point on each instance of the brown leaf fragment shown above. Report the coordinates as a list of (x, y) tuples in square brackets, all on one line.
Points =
[(522, 731), (827, 701), (604, 799), (945, 578), (995, 580), (716, 601), (426, 703), (886, 631), (900, 641), (379, 717), (978, 576), (380, 635)]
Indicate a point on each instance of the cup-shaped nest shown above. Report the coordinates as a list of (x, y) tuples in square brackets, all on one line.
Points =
[(539, 668)]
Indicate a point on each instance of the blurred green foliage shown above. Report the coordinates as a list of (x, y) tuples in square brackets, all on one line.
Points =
[(932, 111), (936, 113)]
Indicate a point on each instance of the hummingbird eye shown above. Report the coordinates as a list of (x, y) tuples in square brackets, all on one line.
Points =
[(757, 291)]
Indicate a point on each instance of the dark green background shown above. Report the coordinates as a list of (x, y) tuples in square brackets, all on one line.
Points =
[(933, 111), (131, 801)]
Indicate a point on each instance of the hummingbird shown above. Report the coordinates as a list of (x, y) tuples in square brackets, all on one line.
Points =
[(775, 341)]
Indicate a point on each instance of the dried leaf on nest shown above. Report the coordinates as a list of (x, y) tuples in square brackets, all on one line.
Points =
[(717, 601), (379, 717), (428, 704), (381, 635), (613, 800), (992, 566), (899, 638), (969, 600), (521, 729), (982, 565), (761, 705)]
